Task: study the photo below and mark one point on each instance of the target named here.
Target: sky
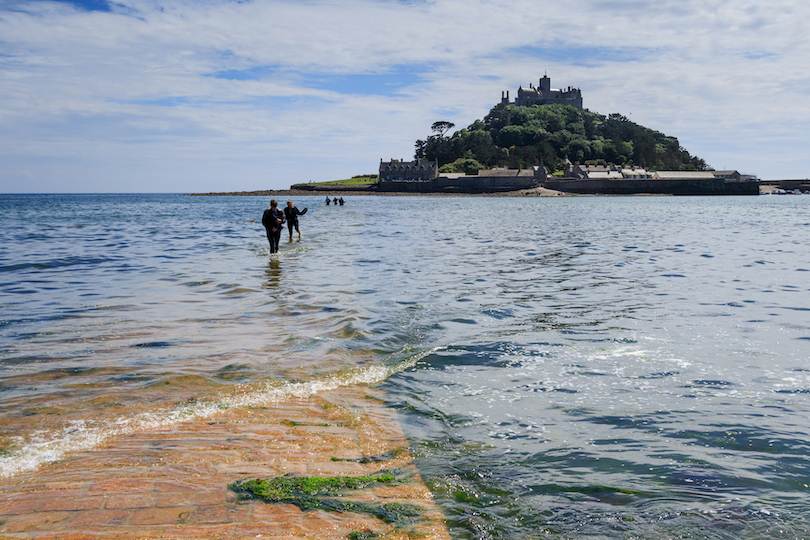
(214, 95)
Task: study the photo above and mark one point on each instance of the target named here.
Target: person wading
(273, 219)
(292, 213)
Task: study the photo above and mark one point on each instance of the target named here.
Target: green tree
(521, 136)
(442, 127)
(463, 165)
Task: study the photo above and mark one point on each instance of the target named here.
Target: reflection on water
(272, 274)
(587, 367)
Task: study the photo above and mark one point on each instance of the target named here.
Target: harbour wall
(715, 186)
(462, 184)
(803, 185)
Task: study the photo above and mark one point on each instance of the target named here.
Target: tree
(520, 136)
(465, 165)
(442, 127)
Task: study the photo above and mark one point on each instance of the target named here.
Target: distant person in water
(335, 201)
(341, 201)
(292, 213)
(273, 219)
(328, 200)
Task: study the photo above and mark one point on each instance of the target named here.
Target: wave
(48, 446)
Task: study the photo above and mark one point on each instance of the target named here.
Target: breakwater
(802, 184)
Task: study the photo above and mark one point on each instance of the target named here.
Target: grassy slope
(356, 181)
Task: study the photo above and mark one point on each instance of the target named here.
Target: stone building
(615, 180)
(544, 94)
(606, 172)
(685, 175)
(408, 171)
(415, 177)
(729, 175)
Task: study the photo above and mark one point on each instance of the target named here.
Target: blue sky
(184, 96)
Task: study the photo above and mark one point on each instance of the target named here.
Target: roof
(504, 172)
(423, 163)
(636, 172)
(684, 175)
(605, 174)
(407, 165)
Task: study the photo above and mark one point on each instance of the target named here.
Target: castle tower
(545, 95)
(545, 85)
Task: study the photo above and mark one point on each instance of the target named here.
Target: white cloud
(127, 100)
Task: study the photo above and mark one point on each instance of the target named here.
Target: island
(546, 138)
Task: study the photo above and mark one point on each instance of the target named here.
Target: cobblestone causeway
(173, 483)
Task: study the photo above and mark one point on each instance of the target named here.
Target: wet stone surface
(173, 483)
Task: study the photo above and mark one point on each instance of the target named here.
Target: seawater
(588, 367)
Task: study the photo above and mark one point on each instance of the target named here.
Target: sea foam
(49, 446)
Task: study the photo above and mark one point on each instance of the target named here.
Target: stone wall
(463, 184)
(713, 186)
(484, 183)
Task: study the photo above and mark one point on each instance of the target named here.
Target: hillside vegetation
(360, 179)
(519, 137)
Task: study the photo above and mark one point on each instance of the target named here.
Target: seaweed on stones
(393, 454)
(317, 493)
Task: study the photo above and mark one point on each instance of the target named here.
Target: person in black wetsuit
(273, 219)
(292, 213)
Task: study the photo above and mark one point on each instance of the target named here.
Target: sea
(563, 367)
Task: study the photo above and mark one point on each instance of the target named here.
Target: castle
(545, 95)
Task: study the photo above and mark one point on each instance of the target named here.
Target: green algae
(362, 535)
(317, 493)
(286, 488)
(393, 454)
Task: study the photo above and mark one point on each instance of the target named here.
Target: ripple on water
(574, 383)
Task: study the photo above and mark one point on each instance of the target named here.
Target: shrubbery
(519, 137)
